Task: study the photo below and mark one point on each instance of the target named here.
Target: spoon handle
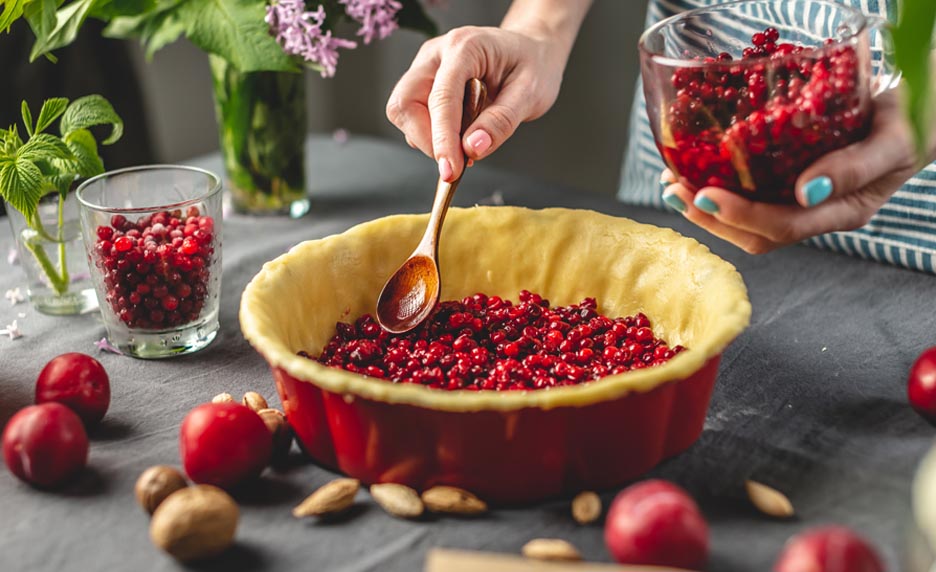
(475, 99)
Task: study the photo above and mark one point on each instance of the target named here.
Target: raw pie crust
(692, 297)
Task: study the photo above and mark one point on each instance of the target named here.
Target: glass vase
(52, 256)
(262, 126)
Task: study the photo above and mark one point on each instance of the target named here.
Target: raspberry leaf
(90, 111)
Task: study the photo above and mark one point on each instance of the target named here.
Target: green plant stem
(58, 281)
(60, 286)
(63, 268)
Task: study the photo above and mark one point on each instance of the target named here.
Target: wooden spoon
(412, 292)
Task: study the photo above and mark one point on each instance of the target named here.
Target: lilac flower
(14, 296)
(300, 34)
(377, 17)
(106, 346)
(12, 330)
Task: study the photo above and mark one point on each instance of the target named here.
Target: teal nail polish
(705, 204)
(817, 190)
(674, 201)
(663, 185)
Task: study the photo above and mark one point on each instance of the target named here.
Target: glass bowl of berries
(571, 350)
(746, 95)
(153, 239)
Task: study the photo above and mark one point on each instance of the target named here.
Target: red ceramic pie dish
(506, 447)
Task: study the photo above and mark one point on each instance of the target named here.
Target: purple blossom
(377, 17)
(300, 34)
(105, 346)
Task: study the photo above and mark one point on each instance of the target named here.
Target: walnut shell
(157, 483)
(195, 523)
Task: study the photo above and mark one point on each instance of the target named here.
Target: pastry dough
(692, 297)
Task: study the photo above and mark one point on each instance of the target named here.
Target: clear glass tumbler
(153, 239)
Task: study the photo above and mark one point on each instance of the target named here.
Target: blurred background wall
(579, 143)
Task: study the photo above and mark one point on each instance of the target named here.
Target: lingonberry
(163, 265)
(488, 343)
(753, 129)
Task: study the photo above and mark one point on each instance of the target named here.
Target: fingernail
(663, 186)
(480, 141)
(705, 204)
(817, 190)
(445, 169)
(673, 200)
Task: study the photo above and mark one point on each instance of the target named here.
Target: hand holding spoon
(412, 292)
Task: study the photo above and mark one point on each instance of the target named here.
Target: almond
(551, 549)
(768, 500)
(331, 498)
(452, 500)
(586, 507)
(281, 433)
(255, 401)
(398, 500)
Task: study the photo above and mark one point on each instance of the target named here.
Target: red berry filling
(485, 343)
(156, 269)
(753, 128)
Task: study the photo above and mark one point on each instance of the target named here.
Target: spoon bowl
(412, 292)
(402, 304)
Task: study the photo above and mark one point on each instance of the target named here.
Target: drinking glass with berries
(153, 239)
(754, 127)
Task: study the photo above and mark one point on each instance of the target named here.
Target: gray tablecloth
(811, 398)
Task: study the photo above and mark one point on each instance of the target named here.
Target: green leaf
(41, 16)
(27, 118)
(12, 11)
(89, 111)
(87, 162)
(236, 31)
(155, 30)
(44, 146)
(51, 110)
(10, 141)
(414, 17)
(62, 183)
(68, 21)
(913, 40)
(107, 10)
(21, 186)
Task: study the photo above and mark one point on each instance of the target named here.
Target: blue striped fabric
(902, 233)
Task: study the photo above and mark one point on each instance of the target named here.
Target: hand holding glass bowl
(753, 118)
(153, 238)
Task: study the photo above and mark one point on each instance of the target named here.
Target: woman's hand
(521, 62)
(841, 191)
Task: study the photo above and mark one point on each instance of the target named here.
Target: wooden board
(442, 560)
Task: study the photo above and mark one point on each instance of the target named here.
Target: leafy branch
(235, 30)
(46, 163)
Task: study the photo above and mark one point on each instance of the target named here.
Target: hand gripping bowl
(506, 447)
